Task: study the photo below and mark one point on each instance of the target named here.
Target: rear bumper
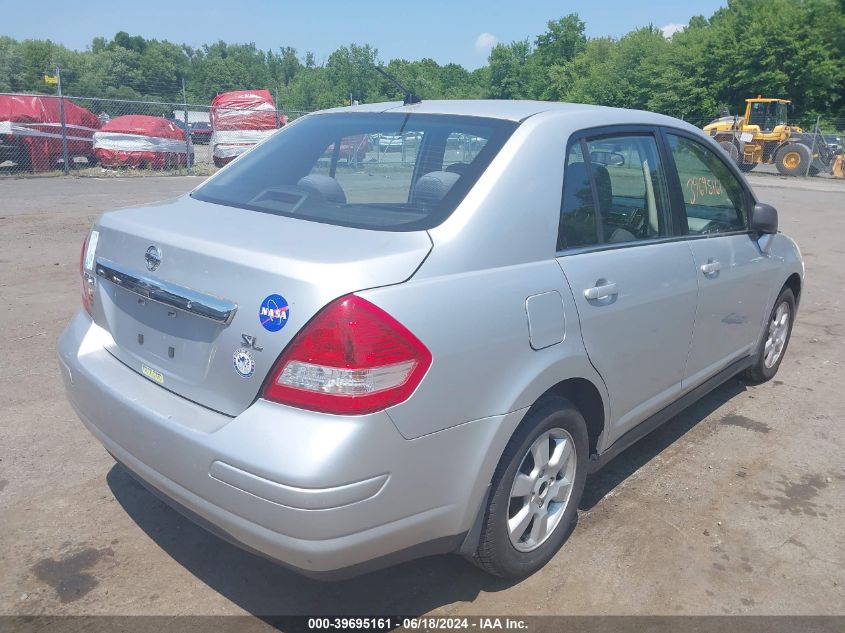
(326, 495)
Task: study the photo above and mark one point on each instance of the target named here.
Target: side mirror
(764, 219)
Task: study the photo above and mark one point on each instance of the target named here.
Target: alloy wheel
(778, 333)
(541, 489)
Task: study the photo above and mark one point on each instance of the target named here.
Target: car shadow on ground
(266, 589)
(631, 460)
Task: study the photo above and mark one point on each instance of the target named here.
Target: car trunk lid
(223, 290)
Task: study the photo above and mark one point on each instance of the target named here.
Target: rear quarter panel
(476, 327)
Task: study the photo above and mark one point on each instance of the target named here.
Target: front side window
(614, 191)
(759, 115)
(714, 199)
(382, 171)
(767, 114)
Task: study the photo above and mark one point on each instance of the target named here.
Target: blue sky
(445, 30)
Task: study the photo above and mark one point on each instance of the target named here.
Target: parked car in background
(31, 131)
(201, 132)
(395, 142)
(352, 148)
(345, 368)
(141, 141)
(239, 120)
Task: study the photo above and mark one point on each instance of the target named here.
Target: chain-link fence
(96, 136)
(88, 135)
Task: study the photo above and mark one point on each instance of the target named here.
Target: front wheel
(775, 340)
(793, 159)
(535, 492)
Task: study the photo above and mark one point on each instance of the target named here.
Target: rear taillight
(352, 358)
(86, 270)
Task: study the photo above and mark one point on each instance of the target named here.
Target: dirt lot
(735, 506)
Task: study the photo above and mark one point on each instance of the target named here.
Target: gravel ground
(735, 506)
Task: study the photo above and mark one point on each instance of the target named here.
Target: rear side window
(384, 171)
(614, 191)
(714, 199)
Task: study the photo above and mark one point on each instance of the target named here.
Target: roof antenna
(410, 97)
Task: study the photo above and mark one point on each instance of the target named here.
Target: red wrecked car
(353, 149)
(138, 140)
(31, 131)
(239, 120)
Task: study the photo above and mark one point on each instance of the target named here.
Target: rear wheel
(731, 150)
(793, 159)
(775, 340)
(536, 490)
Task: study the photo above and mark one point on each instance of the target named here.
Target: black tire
(745, 167)
(814, 171)
(792, 159)
(731, 150)
(495, 553)
(759, 372)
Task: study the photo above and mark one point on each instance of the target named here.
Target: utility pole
(813, 147)
(65, 163)
(188, 161)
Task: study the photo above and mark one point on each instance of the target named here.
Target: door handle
(602, 290)
(711, 267)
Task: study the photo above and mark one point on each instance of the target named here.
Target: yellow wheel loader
(763, 135)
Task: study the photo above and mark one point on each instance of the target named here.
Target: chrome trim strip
(595, 248)
(169, 294)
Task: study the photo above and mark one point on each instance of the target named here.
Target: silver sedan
(345, 364)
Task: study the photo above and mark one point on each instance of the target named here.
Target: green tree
(11, 66)
(350, 71)
(288, 65)
(562, 42)
(514, 71)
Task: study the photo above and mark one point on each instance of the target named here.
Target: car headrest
(325, 186)
(603, 187)
(578, 173)
(433, 187)
(458, 168)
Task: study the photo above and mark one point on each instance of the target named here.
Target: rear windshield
(384, 171)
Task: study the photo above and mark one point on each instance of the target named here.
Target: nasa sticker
(244, 362)
(273, 313)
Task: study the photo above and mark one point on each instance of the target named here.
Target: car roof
(514, 110)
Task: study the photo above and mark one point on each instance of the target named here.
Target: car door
(634, 283)
(734, 276)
